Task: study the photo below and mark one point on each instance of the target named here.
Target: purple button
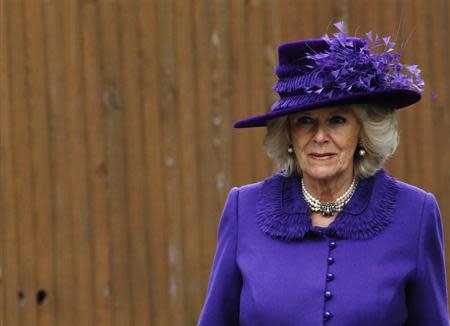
(328, 295)
(327, 315)
(330, 276)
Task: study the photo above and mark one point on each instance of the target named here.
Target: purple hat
(340, 70)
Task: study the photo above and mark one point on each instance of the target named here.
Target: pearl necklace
(328, 208)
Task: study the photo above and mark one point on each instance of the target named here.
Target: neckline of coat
(283, 213)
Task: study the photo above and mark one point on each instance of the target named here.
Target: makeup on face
(324, 140)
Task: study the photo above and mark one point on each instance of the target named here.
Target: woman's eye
(337, 120)
(304, 121)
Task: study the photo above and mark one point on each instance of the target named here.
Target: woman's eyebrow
(304, 114)
(299, 116)
(339, 111)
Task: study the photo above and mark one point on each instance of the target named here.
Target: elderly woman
(331, 238)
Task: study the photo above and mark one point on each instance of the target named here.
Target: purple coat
(379, 263)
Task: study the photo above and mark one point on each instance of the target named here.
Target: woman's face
(324, 141)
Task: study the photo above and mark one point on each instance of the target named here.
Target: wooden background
(117, 149)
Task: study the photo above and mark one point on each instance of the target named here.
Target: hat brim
(390, 98)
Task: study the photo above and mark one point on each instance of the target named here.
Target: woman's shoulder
(255, 187)
(261, 193)
(413, 201)
(410, 190)
(413, 195)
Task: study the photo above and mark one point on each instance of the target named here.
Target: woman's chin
(323, 173)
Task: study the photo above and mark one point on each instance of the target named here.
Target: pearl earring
(362, 152)
(290, 149)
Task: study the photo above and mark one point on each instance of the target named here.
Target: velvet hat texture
(338, 70)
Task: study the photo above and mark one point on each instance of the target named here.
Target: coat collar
(284, 214)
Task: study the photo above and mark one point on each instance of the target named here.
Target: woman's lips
(321, 156)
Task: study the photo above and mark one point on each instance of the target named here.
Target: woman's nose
(321, 134)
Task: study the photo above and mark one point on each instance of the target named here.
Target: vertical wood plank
(23, 191)
(202, 86)
(157, 222)
(63, 216)
(221, 102)
(239, 79)
(424, 123)
(408, 136)
(365, 18)
(97, 169)
(343, 11)
(390, 25)
(134, 162)
(438, 58)
(187, 126)
(392, 22)
(169, 102)
(10, 267)
(255, 89)
(323, 19)
(4, 99)
(400, 164)
(77, 166)
(272, 35)
(39, 147)
(3, 169)
(438, 20)
(115, 150)
(292, 28)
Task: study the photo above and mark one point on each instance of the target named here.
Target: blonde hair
(379, 137)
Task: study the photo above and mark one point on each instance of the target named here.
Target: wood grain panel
(156, 219)
(3, 168)
(424, 115)
(65, 293)
(77, 167)
(439, 104)
(187, 126)
(202, 87)
(170, 107)
(118, 199)
(134, 162)
(390, 25)
(409, 135)
(22, 176)
(10, 258)
(242, 163)
(36, 58)
(439, 84)
(97, 191)
(272, 35)
(255, 88)
(117, 150)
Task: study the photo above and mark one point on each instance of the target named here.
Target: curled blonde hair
(379, 137)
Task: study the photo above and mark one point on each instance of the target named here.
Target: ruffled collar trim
(284, 214)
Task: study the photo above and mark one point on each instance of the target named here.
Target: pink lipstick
(321, 156)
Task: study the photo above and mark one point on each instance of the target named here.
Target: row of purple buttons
(330, 276)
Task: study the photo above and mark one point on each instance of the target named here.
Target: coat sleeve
(221, 305)
(427, 292)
